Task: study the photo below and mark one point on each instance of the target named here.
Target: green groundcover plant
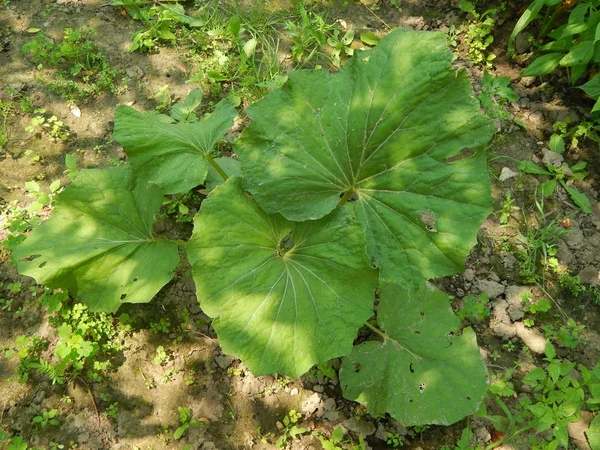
(351, 191)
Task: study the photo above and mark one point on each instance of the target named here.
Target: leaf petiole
(387, 337)
(216, 166)
(346, 197)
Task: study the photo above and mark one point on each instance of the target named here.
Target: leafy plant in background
(160, 21)
(186, 421)
(338, 197)
(495, 94)
(46, 418)
(559, 398)
(537, 244)
(309, 33)
(478, 36)
(337, 442)
(567, 335)
(84, 348)
(6, 109)
(475, 308)
(290, 429)
(560, 392)
(341, 45)
(83, 68)
(41, 124)
(571, 44)
(41, 198)
(562, 174)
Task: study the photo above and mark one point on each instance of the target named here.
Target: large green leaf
(98, 243)
(284, 295)
(422, 373)
(395, 129)
(171, 155)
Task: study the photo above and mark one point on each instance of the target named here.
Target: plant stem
(377, 330)
(386, 337)
(346, 197)
(213, 163)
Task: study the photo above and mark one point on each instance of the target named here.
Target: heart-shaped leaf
(98, 243)
(284, 295)
(394, 131)
(171, 155)
(422, 373)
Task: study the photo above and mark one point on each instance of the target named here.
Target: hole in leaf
(30, 258)
(418, 332)
(43, 264)
(122, 297)
(373, 266)
(422, 314)
(135, 279)
(410, 367)
(352, 196)
(286, 244)
(468, 398)
(465, 153)
(410, 400)
(422, 387)
(356, 368)
(428, 218)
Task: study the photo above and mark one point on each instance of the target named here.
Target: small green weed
(186, 421)
(41, 124)
(83, 70)
(536, 247)
(161, 357)
(395, 440)
(567, 335)
(160, 23)
(289, 429)
(474, 308)
(41, 199)
(6, 110)
(341, 46)
(573, 133)
(162, 326)
(559, 397)
(46, 418)
(478, 35)
(507, 208)
(337, 442)
(533, 306)
(563, 175)
(18, 443)
(495, 95)
(17, 221)
(309, 32)
(112, 410)
(86, 341)
(465, 442)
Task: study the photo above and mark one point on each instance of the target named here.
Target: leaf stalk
(346, 197)
(216, 166)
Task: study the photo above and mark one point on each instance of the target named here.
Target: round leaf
(284, 295)
(395, 128)
(422, 373)
(98, 243)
